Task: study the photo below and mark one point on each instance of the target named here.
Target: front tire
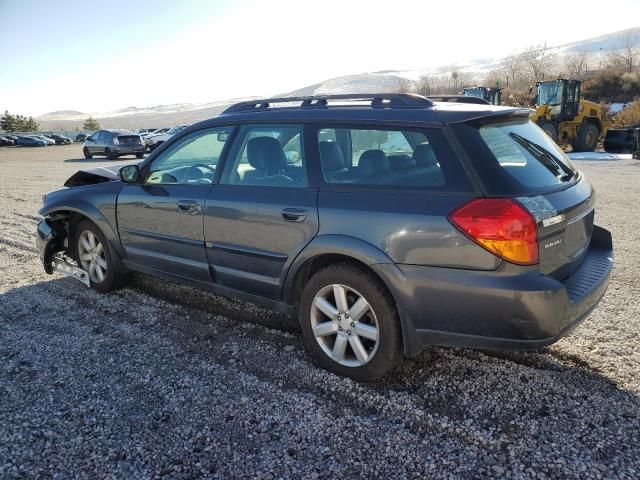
(86, 153)
(588, 135)
(350, 323)
(93, 256)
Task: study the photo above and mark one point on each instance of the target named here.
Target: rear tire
(94, 256)
(550, 129)
(587, 140)
(139, 155)
(350, 323)
(86, 153)
(110, 154)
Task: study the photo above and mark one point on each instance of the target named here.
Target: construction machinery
(493, 95)
(568, 118)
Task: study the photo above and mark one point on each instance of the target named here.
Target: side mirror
(129, 173)
(89, 139)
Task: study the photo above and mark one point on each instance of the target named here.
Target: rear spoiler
(496, 114)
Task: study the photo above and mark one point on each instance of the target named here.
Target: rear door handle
(294, 214)
(189, 206)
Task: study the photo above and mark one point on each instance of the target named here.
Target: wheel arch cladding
(326, 250)
(81, 210)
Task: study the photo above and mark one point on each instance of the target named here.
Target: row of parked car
(35, 140)
(105, 142)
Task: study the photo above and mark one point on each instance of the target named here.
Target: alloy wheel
(92, 256)
(345, 325)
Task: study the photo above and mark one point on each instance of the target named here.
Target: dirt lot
(135, 384)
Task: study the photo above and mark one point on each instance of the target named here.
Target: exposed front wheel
(350, 323)
(94, 257)
(588, 135)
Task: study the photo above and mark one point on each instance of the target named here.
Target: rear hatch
(514, 158)
(130, 140)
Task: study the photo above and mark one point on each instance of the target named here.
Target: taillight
(116, 141)
(500, 225)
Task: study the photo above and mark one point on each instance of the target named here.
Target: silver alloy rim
(92, 256)
(345, 325)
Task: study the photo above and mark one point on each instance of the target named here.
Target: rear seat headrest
(331, 156)
(424, 156)
(372, 162)
(401, 162)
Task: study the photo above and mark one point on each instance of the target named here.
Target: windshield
(550, 93)
(516, 157)
(474, 92)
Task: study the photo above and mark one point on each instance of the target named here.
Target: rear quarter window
(515, 157)
(389, 158)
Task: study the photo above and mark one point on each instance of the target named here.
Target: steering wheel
(194, 169)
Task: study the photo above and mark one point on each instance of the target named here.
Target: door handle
(294, 214)
(189, 206)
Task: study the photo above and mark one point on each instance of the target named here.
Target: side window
(191, 160)
(268, 156)
(379, 157)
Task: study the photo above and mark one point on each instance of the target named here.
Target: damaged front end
(52, 242)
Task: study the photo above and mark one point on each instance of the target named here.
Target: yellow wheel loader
(568, 118)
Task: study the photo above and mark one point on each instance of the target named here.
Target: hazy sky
(96, 56)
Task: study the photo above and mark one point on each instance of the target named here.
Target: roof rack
(377, 100)
(458, 99)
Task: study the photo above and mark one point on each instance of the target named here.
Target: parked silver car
(114, 144)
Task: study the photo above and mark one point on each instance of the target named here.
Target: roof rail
(378, 100)
(458, 99)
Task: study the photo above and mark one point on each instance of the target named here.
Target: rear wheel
(86, 153)
(94, 256)
(550, 129)
(350, 323)
(110, 154)
(587, 140)
(139, 155)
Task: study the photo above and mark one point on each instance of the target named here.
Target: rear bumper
(128, 149)
(499, 309)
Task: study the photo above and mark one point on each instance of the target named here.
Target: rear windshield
(515, 157)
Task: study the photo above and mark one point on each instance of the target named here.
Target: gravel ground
(159, 380)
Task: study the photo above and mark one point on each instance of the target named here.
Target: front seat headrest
(266, 153)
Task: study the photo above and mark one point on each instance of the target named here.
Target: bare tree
(425, 84)
(454, 77)
(575, 63)
(537, 60)
(404, 85)
(513, 67)
(625, 58)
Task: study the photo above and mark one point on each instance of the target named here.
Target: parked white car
(153, 141)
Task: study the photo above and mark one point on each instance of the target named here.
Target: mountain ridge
(366, 82)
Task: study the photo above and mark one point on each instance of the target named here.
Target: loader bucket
(621, 140)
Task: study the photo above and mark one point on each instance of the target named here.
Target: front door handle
(294, 214)
(189, 206)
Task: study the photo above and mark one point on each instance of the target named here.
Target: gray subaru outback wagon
(386, 223)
